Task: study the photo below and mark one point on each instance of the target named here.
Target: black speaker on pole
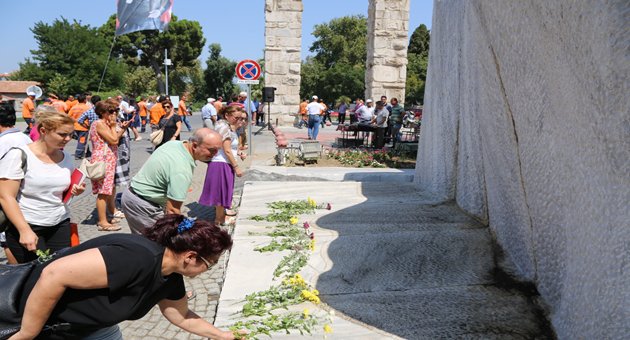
(268, 94)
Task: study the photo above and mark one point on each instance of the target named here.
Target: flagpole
(106, 63)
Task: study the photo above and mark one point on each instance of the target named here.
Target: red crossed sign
(248, 70)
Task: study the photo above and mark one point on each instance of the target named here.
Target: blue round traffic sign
(248, 70)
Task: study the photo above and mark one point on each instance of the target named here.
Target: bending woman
(119, 277)
(33, 200)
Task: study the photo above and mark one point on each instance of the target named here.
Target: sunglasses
(114, 110)
(207, 263)
(167, 106)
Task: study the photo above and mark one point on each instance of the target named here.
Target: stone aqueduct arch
(386, 64)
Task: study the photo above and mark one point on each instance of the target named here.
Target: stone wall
(386, 65)
(526, 126)
(283, 43)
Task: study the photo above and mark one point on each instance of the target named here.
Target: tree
(188, 79)
(338, 66)
(140, 81)
(418, 62)
(183, 39)
(219, 73)
(73, 51)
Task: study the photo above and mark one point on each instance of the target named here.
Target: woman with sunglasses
(113, 278)
(105, 134)
(32, 196)
(171, 123)
(219, 184)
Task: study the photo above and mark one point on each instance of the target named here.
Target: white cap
(211, 100)
(368, 101)
(315, 97)
(243, 94)
(30, 94)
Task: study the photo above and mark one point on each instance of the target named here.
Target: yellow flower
(293, 220)
(305, 313)
(312, 202)
(311, 246)
(327, 328)
(315, 292)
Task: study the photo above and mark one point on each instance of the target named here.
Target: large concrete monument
(526, 127)
(283, 44)
(386, 65)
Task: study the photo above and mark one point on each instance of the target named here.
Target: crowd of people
(35, 174)
(384, 118)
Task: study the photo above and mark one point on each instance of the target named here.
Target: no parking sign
(248, 71)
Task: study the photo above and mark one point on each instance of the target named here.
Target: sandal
(111, 227)
(229, 221)
(118, 214)
(230, 212)
(114, 220)
(190, 295)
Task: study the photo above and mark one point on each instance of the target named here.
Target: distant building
(15, 90)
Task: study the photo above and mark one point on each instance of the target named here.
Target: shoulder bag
(4, 221)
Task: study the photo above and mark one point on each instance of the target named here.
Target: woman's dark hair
(7, 114)
(204, 237)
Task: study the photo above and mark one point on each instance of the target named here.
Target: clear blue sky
(239, 26)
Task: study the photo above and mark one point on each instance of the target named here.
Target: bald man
(161, 185)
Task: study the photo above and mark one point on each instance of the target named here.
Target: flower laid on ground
(328, 206)
(327, 328)
(265, 305)
(311, 295)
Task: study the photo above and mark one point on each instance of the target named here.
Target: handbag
(93, 170)
(4, 221)
(156, 137)
(12, 280)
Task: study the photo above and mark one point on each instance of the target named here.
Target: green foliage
(187, 79)
(338, 66)
(59, 84)
(140, 81)
(274, 323)
(73, 51)
(183, 39)
(418, 63)
(219, 73)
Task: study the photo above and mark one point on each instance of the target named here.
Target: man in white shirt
(314, 111)
(9, 135)
(209, 114)
(370, 105)
(362, 113)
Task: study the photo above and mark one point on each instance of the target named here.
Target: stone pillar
(386, 72)
(283, 44)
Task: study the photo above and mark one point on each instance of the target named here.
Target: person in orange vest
(59, 105)
(183, 112)
(70, 102)
(28, 108)
(156, 112)
(80, 130)
(142, 105)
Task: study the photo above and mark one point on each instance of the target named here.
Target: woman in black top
(118, 277)
(171, 123)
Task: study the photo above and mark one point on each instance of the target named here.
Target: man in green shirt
(163, 181)
(395, 120)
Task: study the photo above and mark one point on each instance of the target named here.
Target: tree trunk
(158, 75)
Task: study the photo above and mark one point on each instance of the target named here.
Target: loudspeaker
(268, 94)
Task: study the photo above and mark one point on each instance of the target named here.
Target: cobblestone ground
(207, 286)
